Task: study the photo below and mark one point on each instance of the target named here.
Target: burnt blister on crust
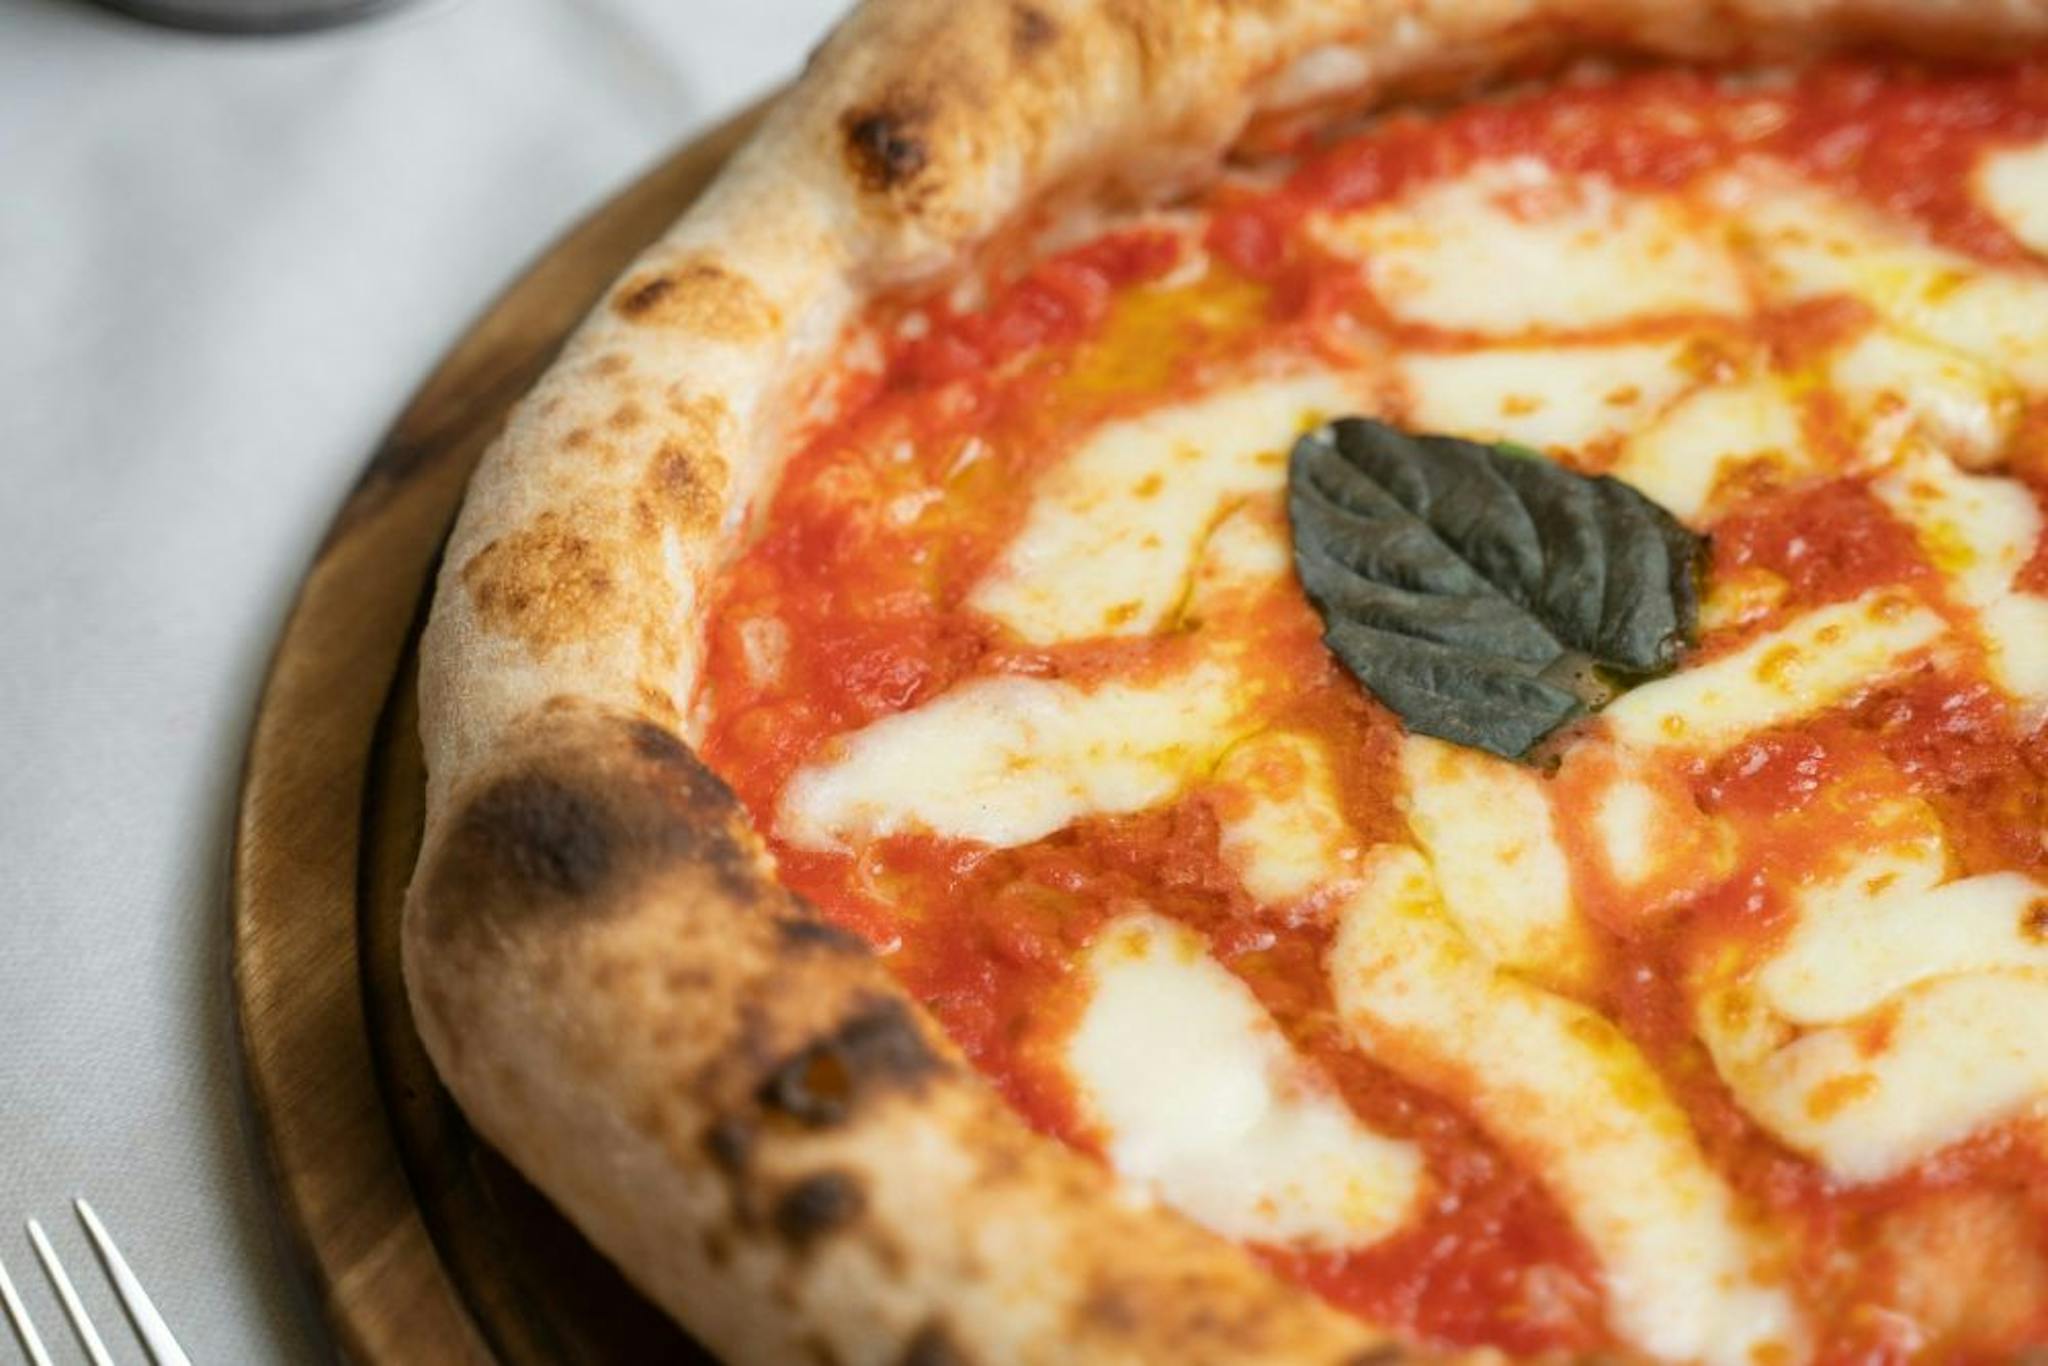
(805, 932)
(2034, 921)
(1031, 30)
(730, 1142)
(818, 1205)
(544, 833)
(614, 800)
(700, 295)
(885, 145)
(878, 1047)
(659, 745)
(934, 1346)
(639, 300)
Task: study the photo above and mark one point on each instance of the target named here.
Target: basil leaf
(1486, 597)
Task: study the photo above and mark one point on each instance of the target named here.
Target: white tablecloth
(223, 265)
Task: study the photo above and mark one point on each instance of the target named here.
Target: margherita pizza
(1313, 681)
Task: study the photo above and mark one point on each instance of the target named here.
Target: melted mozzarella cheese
(2012, 183)
(1643, 847)
(1116, 527)
(1551, 1080)
(1242, 559)
(1502, 875)
(1559, 1086)
(1899, 1014)
(1808, 664)
(1513, 245)
(1624, 820)
(1203, 1101)
(1850, 952)
(1901, 388)
(1810, 244)
(1005, 761)
(1713, 432)
(1660, 849)
(1980, 531)
(1549, 397)
(1962, 1052)
(1279, 827)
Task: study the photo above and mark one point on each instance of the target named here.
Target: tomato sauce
(850, 607)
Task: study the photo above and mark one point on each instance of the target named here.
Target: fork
(149, 1325)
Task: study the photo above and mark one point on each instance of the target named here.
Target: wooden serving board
(424, 1245)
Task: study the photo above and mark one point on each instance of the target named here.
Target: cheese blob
(1552, 397)
(1904, 389)
(1278, 825)
(1715, 433)
(1980, 531)
(1200, 1099)
(1513, 246)
(1565, 1091)
(1116, 528)
(1004, 761)
(1804, 666)
(2012, 183)
(1902, 1012)
(1436, 985)
(1505, 873)
(1808, 244)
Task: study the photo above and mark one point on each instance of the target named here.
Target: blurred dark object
(251, 16)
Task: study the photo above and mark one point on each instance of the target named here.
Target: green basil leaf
(1486, 597)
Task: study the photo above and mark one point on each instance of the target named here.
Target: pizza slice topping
(1722, 1039)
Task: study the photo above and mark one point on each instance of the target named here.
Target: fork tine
(74, 1309)
(17, 1314)
(149, 1325)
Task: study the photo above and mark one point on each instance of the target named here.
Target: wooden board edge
(296, 985)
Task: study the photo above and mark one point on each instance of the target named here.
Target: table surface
(223, 265)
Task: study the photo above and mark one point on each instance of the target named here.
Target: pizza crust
(734, 1101)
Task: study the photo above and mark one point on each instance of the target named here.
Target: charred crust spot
(882, 1042)
(689, 483)
(1108, 1308)
(626, 416)
(730, 1143)
(814, 1088)
(817, 1205)
(934, 1346)
(545, 834)
(603, 807)
(699, 295)
(877, 1046)
(637, 301)
(885, 146)
(804, 932)
(2034, 921)
(657, 744)
(1031, 29)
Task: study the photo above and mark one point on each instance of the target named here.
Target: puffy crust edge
(741, 1107)
(602, 965)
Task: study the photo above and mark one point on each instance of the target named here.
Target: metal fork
(149, 1325)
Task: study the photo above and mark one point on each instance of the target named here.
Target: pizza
(1307, 681)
